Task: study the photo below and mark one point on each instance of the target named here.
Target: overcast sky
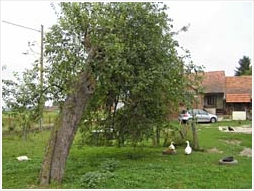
(220, 33)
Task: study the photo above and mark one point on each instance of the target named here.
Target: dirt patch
(246, 152)
(233, 142)
(214, 150)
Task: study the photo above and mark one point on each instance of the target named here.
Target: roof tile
(242, 98)
(214, 82)
(238, 85)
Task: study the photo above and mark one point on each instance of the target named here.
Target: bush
(93, 179)
(109, 165)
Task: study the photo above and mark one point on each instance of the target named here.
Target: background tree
(22, 96)
(115, 51)
(245, 67)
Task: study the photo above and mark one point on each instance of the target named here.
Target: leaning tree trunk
(195, 136)
(65, 129)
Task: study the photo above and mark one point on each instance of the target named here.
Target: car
(200, 115)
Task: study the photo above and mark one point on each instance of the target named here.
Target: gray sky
(220, 33)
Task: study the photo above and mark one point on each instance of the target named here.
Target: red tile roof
(239, 85)
(240, 98)
(214, 82)
(238, 89)
(235, 88)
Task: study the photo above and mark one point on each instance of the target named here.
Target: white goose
(188, 149)
(171, 146)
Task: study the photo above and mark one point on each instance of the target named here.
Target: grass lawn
(142, 167)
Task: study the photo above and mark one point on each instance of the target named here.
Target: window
(201, 112)
(211, 100)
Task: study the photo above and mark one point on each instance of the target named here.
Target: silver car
(199, 114)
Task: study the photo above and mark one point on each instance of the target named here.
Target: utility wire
(21, 26)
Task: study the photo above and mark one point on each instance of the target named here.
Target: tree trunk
(62, 135)
(157, 136)
(195, 136)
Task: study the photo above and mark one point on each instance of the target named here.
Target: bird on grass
(188, 149)
(170, 150)
(171, 146)
(230, 128)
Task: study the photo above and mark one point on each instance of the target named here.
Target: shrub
(109, 165)
(91, 179)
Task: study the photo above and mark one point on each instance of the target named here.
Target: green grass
(17, 174)
(142, 167)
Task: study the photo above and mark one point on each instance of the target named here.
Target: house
(224, 94)
(213, 85)
(238, 93)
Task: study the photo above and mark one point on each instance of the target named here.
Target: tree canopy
(133, 60)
